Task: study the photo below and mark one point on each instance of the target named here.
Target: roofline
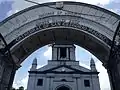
(55, 72)
(53, 3)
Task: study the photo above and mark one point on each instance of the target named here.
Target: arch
(91, 22)
(56, 35)
(63, 87)
(88, 26)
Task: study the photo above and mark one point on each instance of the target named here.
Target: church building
(63, 72)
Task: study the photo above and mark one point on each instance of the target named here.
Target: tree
(21, 88)
(12, 89)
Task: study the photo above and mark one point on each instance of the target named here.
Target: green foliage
(21, 88)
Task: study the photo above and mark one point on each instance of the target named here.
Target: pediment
(63, 68)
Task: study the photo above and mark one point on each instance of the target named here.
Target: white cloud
(103, 76)
(48, 53)
(22, 82)
(95, 2)
(115, 10)
(11, 12)
(18, 81)
(22, 4)
(19, 5)
(104, 81)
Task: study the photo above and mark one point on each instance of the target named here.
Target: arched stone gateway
(89, 26)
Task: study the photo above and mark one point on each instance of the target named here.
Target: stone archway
(89, 26)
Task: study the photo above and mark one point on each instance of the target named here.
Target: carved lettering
(46, 23)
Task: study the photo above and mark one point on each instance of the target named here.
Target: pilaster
(114, 67)
(7, 74)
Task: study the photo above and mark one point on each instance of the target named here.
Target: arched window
(63, 88)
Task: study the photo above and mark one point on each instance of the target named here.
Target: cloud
(86, 56)
(16, 6)
(48, 53)
(21, 79)
(113, 6)
(11, 12)
(95, 2)
(19, 5)
(24, 81)
(82, 55)
(5, 7)
(21, 82)
(103, 76)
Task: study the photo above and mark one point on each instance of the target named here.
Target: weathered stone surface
(88, 26)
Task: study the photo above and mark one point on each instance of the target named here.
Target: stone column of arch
(114, 61)
(7, 72)
(7, 67)
(114, 68)
(98, 19)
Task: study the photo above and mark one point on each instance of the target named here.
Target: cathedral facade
(63, 72)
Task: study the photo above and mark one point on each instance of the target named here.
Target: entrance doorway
(63, 88)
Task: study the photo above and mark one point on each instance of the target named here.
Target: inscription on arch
(63, 22)
(54, 21)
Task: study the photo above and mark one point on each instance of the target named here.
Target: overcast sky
(9, 7)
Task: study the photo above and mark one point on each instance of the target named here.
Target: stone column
(5, 75)
(6, 78)
(7, 72)
(114, 67)
(12, 75)
(114, 78)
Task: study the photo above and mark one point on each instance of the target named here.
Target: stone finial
(92, 65)
(34, 65)
(59, 5)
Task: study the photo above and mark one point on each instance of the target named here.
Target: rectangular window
(40, 82)
(63, 52)
(86, 83)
